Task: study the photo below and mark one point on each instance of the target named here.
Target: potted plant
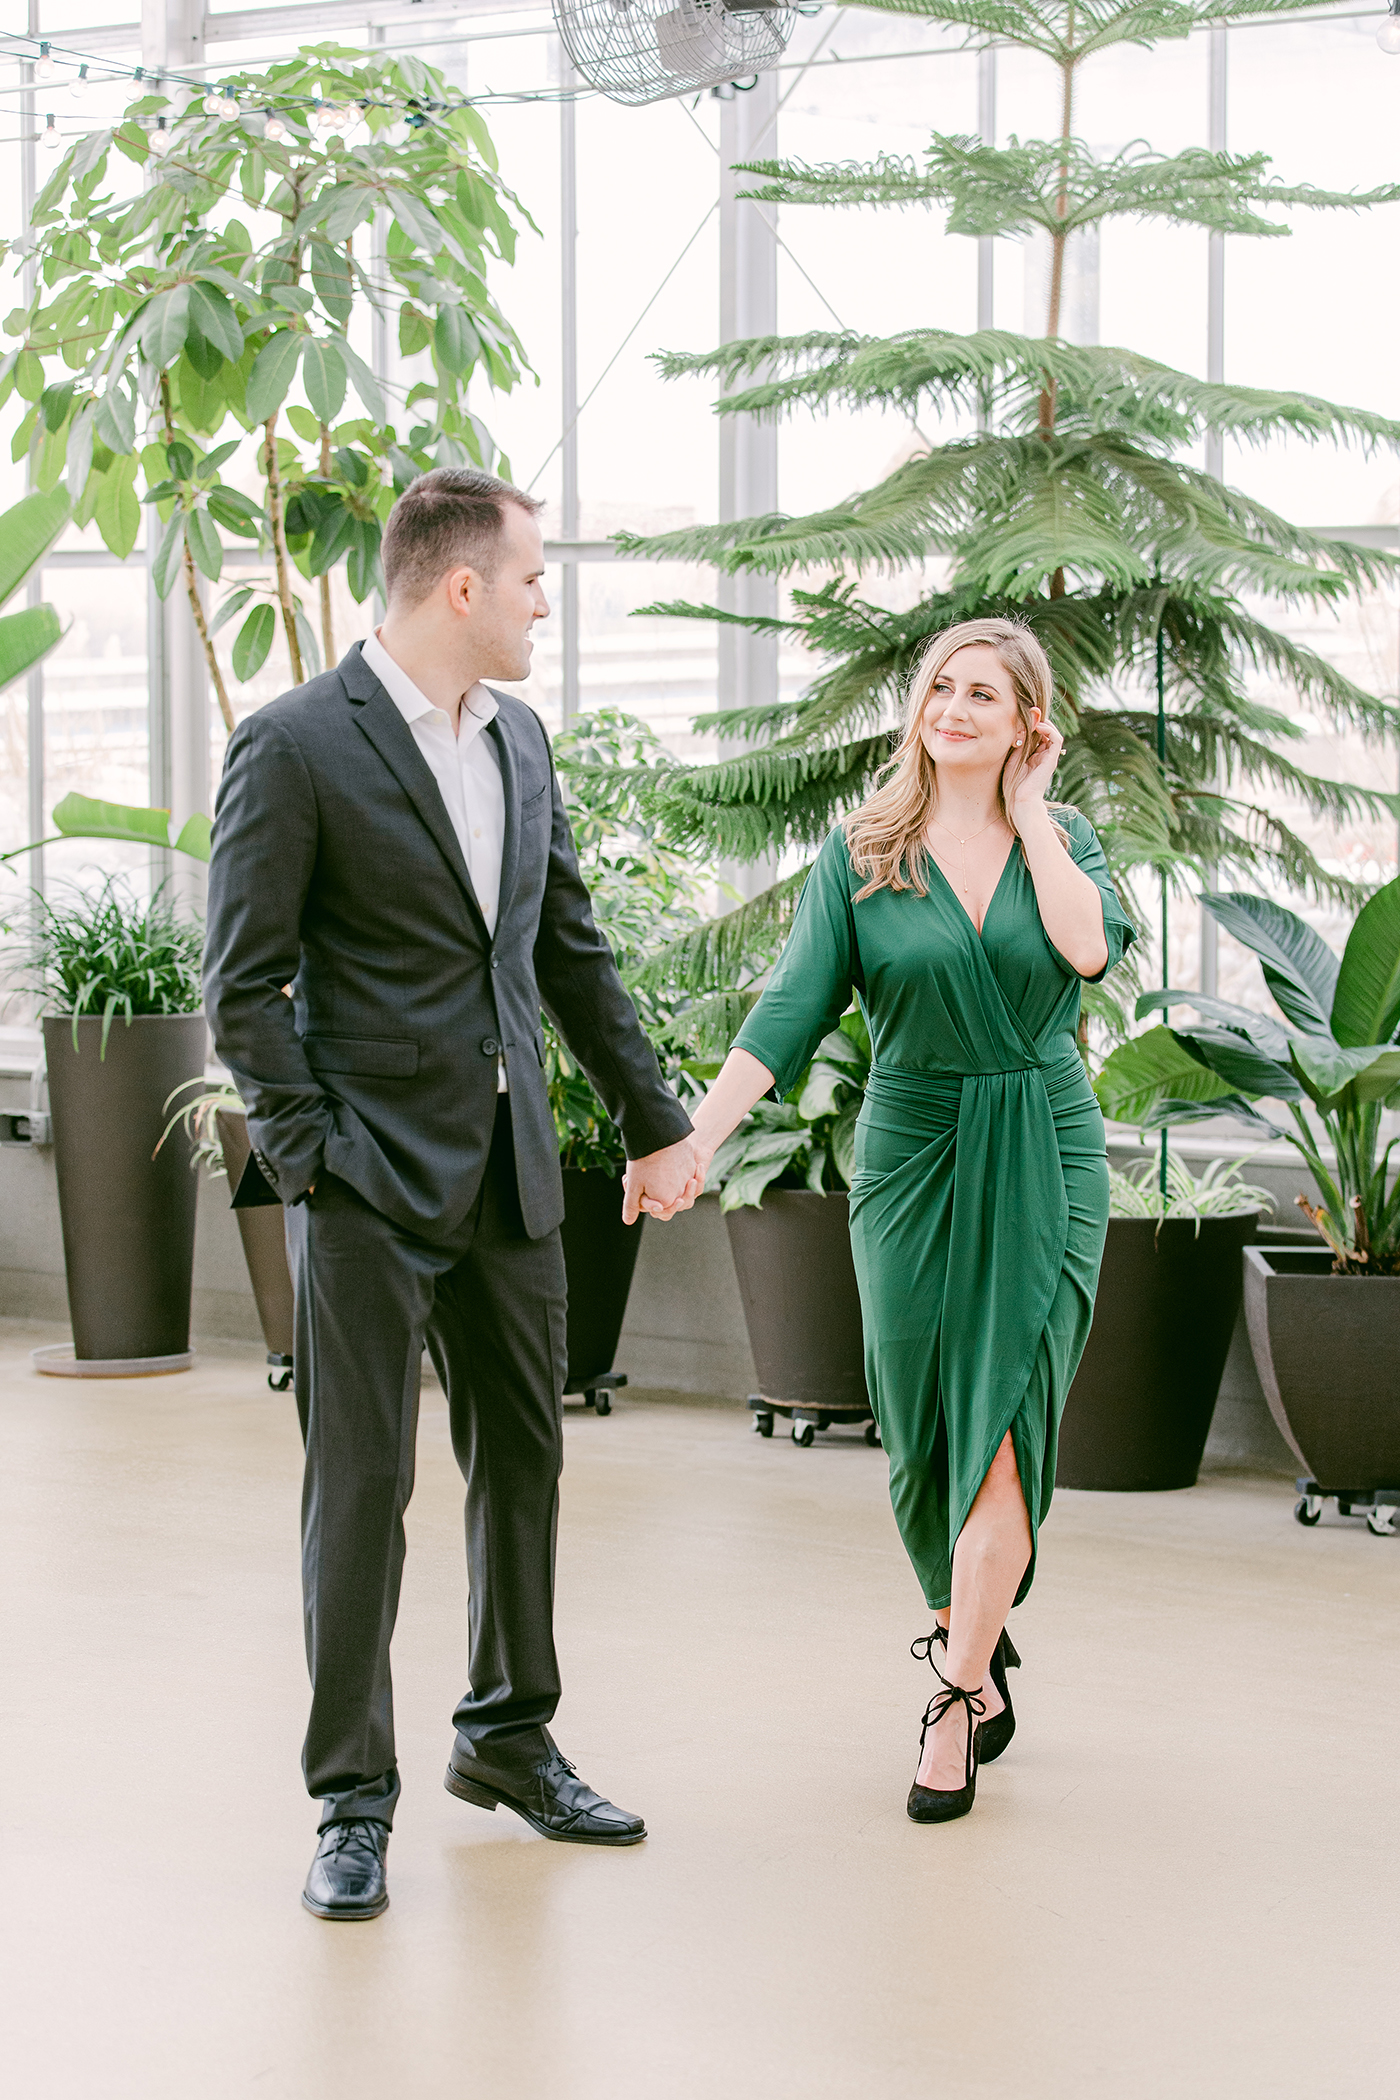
(1324, 1323)
(120, 981)
(783, 1178)
(1139, 1410)
(645, 896)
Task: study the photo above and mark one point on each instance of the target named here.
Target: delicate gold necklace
(963, 844)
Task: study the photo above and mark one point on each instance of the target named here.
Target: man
(391, 843)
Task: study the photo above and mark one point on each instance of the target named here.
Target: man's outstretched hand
(662, 1183)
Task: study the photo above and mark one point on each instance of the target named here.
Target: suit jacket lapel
(377, 716)
(510, 782)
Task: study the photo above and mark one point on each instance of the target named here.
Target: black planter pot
(264, 1237)
(600, 1255)
(128, 1217)
(792, 1256)
(1327, 1349)
(1139, 1410)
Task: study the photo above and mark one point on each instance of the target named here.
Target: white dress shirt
(467, 770)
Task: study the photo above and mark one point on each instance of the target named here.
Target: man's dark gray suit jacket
(335, 869)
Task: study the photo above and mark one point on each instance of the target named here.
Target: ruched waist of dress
(928, 1091)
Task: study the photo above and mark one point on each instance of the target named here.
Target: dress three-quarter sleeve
(813, 978)
(1088, 854)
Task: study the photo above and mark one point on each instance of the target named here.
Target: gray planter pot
(797, 1281)
(1327, 1349)
(1139, 1410)
(127, 1211)
(264, 1236)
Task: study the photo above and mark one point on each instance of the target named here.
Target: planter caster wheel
(803, 1433)
(602, 1402)
(1307, 1509)
(763, 1424)
(280, 1376)
(872, 1434)
(1381, 1523)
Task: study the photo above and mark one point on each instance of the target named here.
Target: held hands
(663, 1182)
(1026, 776)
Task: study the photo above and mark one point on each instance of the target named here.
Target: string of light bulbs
(415, 112)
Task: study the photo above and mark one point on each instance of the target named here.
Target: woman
(963, 911)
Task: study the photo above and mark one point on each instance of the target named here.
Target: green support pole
(1162, 763)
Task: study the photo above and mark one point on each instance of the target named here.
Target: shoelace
(943, 1703)
(355, 1832)
(922, 1649)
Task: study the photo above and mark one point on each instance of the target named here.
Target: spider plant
(1220, 1192)
(112, 953)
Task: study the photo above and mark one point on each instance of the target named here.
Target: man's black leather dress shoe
(347, 1874)
(549, 1796)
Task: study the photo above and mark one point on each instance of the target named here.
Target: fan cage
(639, 51)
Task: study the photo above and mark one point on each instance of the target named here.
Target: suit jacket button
(490, 1047)
(495, 962)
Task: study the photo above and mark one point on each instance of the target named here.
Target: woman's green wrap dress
(980, 1200)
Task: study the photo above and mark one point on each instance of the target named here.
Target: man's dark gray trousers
(335, 870)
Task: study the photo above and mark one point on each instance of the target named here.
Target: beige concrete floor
(1181, 1878)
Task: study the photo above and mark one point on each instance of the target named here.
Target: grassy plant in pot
(1324, 1323)
(783, 1178)
(1140, 1408)
(644, 897)
(120, 982)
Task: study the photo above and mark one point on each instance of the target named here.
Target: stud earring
(1018, 743)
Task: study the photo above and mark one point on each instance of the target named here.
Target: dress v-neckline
(977, 930)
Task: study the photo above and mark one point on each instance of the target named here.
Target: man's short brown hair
(450, 519)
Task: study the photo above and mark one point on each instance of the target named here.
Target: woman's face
(971, 721)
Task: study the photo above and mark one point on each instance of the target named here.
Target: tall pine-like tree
(1069, 499)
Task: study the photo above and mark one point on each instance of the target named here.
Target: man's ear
(462, 587)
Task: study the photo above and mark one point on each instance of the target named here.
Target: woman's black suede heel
(929, 1804)
(997, 1732)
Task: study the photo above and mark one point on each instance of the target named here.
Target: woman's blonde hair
(887, 836)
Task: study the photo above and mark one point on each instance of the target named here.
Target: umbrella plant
(173, 318)
(1332, 1061)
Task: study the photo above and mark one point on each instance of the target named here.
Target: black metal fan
(644, 50)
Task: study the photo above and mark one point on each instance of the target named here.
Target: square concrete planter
(1327, 1349)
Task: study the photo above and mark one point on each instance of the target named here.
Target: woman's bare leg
(989, 1560)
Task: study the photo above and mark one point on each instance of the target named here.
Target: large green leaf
(81, 817)
(27, 531)
(196, 836)
(1261, 1029)
(26, 639)
(164, 326)
(1239, 1064)
(205, 545)
(1299, 967)
(216, 321)
(169, 555)
(323, 375)
(364, 383)
(254, 641)
(1150, 1068)
(274, 369)
(117, 510)
(1170, 1111)
(1372, 1070)
(1366, 1004)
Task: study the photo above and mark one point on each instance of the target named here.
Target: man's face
(501, 613)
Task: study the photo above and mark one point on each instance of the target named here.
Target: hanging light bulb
(274, 128)
(79, 84)
(1388, 35)
(160, 140)
(228, 103)
(45, 69)
(213, 103)
(51, 138)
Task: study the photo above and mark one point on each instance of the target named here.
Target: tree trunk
(192, 581)
(327, 631)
